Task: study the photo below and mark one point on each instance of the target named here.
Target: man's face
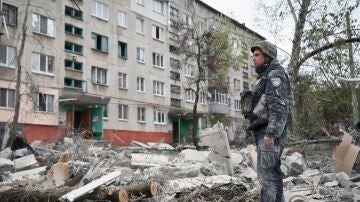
(258, 58)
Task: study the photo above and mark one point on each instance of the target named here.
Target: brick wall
(124, 137)
(44, 133)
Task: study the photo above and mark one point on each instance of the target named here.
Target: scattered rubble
(83, 170)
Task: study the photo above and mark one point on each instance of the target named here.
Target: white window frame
(158, 7)
(140, 25)
(9, 62)
(36, 25)
(158, 60)
(123, 114)
(189, 95)
(187, 20)
(36, 60)
(159, 88)
(94, 75)
(122, 19)
(159, 116)
(202, 97)
(141, 114)
(221, 98)
(237, 105)
(189, 70)
(237, 84)
(140, 55)
(123, 80)
(140, 87)
(158, 33)
(9, 104)
(100, 10)
(47, 103)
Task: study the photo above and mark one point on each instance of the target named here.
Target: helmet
(265, 47)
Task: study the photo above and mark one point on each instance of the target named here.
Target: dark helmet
(265, 47)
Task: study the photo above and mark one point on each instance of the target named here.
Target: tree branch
(292, 10)
(326, 47)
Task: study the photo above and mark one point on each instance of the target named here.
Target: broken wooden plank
(71, 196)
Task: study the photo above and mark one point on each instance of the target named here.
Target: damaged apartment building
(110, 67)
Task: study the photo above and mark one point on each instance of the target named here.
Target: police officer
(268, 118)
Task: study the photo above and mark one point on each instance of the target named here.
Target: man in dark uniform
(270, 106)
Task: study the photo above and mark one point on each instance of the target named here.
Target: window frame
(141, 114)
(38, 68)
(140, 23)
(140, 84)
(96, 13)
(162, 119)
(125, 15)
(158, 60)
(9, 104)
(73, 47)
(124, 114)
(237, 105)
(7, 57)
(189, 95)
(73, 84)
(189, 72)
(94, 77)
(7, 11)
(95, 37)
(34, 25)
(123, 81)
(120, 44)
(140, 50)
(73, 13)
(158, 33)
(73, 28)
(158, 7)
(159, 88)
(47, 110)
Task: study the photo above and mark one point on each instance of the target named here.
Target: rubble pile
(77, 170)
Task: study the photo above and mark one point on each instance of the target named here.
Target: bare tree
(205, 41)
(317, 29)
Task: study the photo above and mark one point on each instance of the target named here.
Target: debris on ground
(77, 169)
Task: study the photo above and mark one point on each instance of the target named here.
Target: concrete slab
(148, 160)
(7, 153)
(191, 155)
(27, 174)
(139, 144)
(25, 162)
(161, 146)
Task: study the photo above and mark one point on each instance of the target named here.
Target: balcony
(219, 108)
(175, 89)
(176, 103)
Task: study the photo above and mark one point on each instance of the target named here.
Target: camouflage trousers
(269, 172)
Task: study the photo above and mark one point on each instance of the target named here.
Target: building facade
(109, 68)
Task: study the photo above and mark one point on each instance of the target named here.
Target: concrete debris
(191, 155)
(75, 169)
(28, 174)
(160, 146)
(294, 163)
(25, 162)
(21, 152)
(148, 160)
(217, 140)
(180, 185)
(331, 184)
(6, 165)
(7, 153)
(139, 144)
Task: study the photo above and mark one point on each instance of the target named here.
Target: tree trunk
(297, 100)
(18, 79)
(354, 101)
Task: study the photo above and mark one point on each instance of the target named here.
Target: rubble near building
(77, 170)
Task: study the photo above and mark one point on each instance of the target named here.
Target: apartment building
(109, 67)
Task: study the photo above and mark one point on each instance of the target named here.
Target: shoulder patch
(276, 81)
